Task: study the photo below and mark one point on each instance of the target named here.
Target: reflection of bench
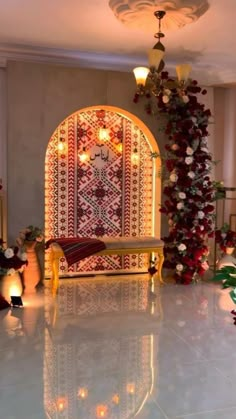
(117, 246)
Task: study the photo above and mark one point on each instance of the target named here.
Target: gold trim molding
(138, 14)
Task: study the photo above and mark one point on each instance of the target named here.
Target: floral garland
(188, 187)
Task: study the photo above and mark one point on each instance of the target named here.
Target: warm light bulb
(130, 388)
(103, 133)
(61, 404)
(119, 147)
(135, 156)
(82, 393)
(61, 146)
(101, 411)
(116, 399)
(83, 156)
(141, 74)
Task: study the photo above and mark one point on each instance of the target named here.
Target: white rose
(191, 175)
(199, 193)
(179, 267)
(8, 253)
(201, 214)
(165, 99)
(182, 195)
(188, 160)
(185, 99)
(167, 92)
(205, 265)
(204, 149)
(23, 256)
(11, 271)
(173, 177)
(201, 228)
(180, 205)
(189, 151)
(181, 247)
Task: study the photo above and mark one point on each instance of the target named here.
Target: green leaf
(233, 296)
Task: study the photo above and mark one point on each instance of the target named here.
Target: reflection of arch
(105, 355)
(110, 194)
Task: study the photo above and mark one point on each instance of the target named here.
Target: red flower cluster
(225, 237)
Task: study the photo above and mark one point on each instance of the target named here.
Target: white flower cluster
(182, 195)
(188, 160)
(179, 267)
(166, 96)
(181, 247)
(173, 177)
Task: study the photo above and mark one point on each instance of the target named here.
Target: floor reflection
(99, 347)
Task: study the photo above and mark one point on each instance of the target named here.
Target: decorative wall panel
(99, 188)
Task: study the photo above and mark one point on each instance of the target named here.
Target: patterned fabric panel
(107, 194)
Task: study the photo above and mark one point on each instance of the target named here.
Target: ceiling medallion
(138, 14)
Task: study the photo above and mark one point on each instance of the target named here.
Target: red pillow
(3, 303)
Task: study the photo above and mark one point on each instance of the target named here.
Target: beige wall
(40, 96)
(225, 147)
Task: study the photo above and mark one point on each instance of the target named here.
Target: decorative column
(3, 155)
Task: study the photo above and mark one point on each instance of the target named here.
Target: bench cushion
(132, 242)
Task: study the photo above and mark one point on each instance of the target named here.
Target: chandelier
(149, 80)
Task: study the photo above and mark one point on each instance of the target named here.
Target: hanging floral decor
(187, 185)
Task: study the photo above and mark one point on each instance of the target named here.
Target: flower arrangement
(12, 259)
(225, 237)
(30, 234)
(187, 184)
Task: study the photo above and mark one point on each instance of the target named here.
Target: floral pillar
(186, 179)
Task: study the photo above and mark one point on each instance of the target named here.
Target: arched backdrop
(114, 192)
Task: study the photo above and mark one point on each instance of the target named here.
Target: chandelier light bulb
(183, 71)
(154, 57)
(141, 74)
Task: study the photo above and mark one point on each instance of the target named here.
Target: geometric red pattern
(110, 194)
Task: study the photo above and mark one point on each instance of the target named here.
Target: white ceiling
(86, 33)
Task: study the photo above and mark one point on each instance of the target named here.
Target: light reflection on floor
(107, 347)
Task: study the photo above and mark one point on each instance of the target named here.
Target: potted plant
(28, 240)
(226, 239)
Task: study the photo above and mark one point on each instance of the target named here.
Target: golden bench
(117, 246)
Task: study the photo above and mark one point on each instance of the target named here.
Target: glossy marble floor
(106, 348)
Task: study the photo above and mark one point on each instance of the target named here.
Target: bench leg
(157, 265)
(55, 271)
(160, 264)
